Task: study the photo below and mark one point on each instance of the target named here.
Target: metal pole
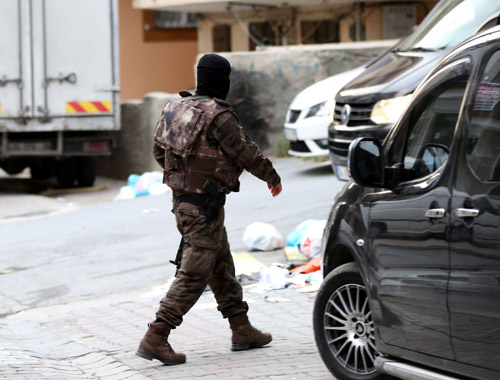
(358, 21)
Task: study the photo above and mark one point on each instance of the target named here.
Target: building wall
(344, 13)
(148, 66)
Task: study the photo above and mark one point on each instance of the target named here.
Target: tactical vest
(190, 158)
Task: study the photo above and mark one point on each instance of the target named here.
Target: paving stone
(103, 335)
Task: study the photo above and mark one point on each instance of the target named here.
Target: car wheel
(343, 325)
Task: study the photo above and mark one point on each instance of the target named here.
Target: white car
(310, 114)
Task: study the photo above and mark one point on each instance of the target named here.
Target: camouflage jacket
(199, 138)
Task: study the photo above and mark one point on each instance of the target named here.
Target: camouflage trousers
(206, 259)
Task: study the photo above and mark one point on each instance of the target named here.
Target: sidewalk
(96, 339)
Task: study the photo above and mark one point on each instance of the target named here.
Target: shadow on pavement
(323, 168)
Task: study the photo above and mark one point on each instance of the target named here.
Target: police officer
(203, 150)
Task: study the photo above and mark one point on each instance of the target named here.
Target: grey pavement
(96, 339)
(80, 281)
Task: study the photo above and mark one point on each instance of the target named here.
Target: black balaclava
(212, 76)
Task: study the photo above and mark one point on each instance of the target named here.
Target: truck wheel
(41, 171)
(66, 173)
(12, 167)
(86, 171)
(343, 326)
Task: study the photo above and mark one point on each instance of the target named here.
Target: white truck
(59, 87)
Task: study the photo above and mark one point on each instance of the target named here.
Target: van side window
(432, 128)
(483, 140)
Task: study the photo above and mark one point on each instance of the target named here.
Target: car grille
(293, 115)
(299, 146)
(360, 114)
(339, 147)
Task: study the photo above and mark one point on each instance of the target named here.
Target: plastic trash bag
(294, 238)
(262, 237)
(307, 237)
(149, 183)
(310, 244)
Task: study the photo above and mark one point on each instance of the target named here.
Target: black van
(411, 249)
(371, 103)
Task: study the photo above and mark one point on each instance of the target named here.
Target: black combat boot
(155, 345)
(246, 336)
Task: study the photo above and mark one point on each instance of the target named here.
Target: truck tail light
(96, 146)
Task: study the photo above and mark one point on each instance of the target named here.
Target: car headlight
(388, 111)
(320, 109)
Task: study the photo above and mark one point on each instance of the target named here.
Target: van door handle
(467, 212)
(435, 213)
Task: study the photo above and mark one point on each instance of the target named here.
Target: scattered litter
(149, 183)
(262, 237)
(307, 237)
(314, 281)
(6, 271)
(276, 299)
(312, 265)
(275, 277)
(150, 210)
(293, 255)
(246, 264)
(245, 279)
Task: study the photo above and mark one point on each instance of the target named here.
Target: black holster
(210, 203)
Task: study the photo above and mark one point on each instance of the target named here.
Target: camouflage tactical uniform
(194, 146)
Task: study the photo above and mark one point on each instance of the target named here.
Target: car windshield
(451, 22)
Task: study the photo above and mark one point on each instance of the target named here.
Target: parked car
(411, 253)
(310, 114)
(369, 105)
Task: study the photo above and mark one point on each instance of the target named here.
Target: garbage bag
(295, 237)
(262, 237)
(310, 244)
(149, 183)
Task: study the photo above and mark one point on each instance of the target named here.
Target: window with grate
(221, 35)
(169, 26)
(320, 32)
(170, 20)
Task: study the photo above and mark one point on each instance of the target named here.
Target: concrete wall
(264, 83)
(133, 153)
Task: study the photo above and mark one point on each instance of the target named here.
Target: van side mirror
(366, 162)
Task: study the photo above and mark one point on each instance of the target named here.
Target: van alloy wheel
(349, 330)
(343, 327)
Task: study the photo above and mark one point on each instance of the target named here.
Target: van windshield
(449, 23)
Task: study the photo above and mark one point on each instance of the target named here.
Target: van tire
(349, 356)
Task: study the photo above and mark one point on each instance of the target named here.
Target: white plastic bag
(310, 244)
(262, 237)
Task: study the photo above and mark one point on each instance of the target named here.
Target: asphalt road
(67, 247)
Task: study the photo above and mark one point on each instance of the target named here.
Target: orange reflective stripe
(88, 107)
